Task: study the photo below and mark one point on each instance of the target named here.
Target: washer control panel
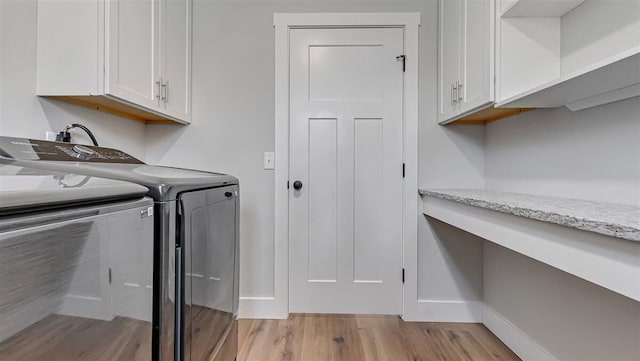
(33, 149)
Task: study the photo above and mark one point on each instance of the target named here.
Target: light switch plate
(269, 160)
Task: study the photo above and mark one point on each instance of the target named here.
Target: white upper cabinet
(127, 57)
(466, 65)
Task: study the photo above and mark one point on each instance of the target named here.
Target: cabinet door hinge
(404, 62)
(287, 184)
(109, 275)
(403, 170)
(403, 276)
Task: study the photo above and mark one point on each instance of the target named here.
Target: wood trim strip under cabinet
(109, 105)
(488, 115)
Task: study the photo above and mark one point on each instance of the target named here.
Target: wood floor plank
(253, 346)
(383, 339)
(331, 339)
(287, 342)
(490, 342)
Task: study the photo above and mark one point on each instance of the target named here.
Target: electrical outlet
(48, 135)
(269, 160)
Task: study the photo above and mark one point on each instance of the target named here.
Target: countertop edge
(589, 225)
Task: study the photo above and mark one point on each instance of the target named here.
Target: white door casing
(346, 147)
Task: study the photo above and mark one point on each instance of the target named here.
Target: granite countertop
(611, 219)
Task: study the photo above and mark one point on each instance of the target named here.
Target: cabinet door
(176, 58)
(132, 51)
(448, 57)
(476, 55)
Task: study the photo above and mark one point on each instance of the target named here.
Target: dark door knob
(297, 185)
(228, 194)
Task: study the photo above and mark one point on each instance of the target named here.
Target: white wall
(22, 114)
(233, 124)
(592, 154)
(569, 317)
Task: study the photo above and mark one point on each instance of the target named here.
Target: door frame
(283, 23)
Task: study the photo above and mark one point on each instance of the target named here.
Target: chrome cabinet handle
(163, 93)
(459, 91)
(451, 95)
(158, 82)
(454, 92)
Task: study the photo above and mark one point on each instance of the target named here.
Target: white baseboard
(519, 342)
(445, 311)
(261, 308)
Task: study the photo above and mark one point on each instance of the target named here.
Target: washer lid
(24, 189)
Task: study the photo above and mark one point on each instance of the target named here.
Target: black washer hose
(65, 136)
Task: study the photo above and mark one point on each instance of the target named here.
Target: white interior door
(346, 122)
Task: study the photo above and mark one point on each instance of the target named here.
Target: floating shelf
(612, 79)
(540, 8)
(598, 242)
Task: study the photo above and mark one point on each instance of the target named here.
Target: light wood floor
(66, 338)
(366, 338)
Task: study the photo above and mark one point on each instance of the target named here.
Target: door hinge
(403, 170)
(287, 184)
(404, 62)
(109, 275)
(403, 276)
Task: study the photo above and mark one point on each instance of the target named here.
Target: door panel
(323, 182)
(475, 69)
(176, 57)
(346, 149)
(133, 32)
(331, 66)
(368, 173)
(449, 57)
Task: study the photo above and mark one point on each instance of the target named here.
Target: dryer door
(210, 234)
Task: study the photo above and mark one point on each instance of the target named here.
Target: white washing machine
(76, 267)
